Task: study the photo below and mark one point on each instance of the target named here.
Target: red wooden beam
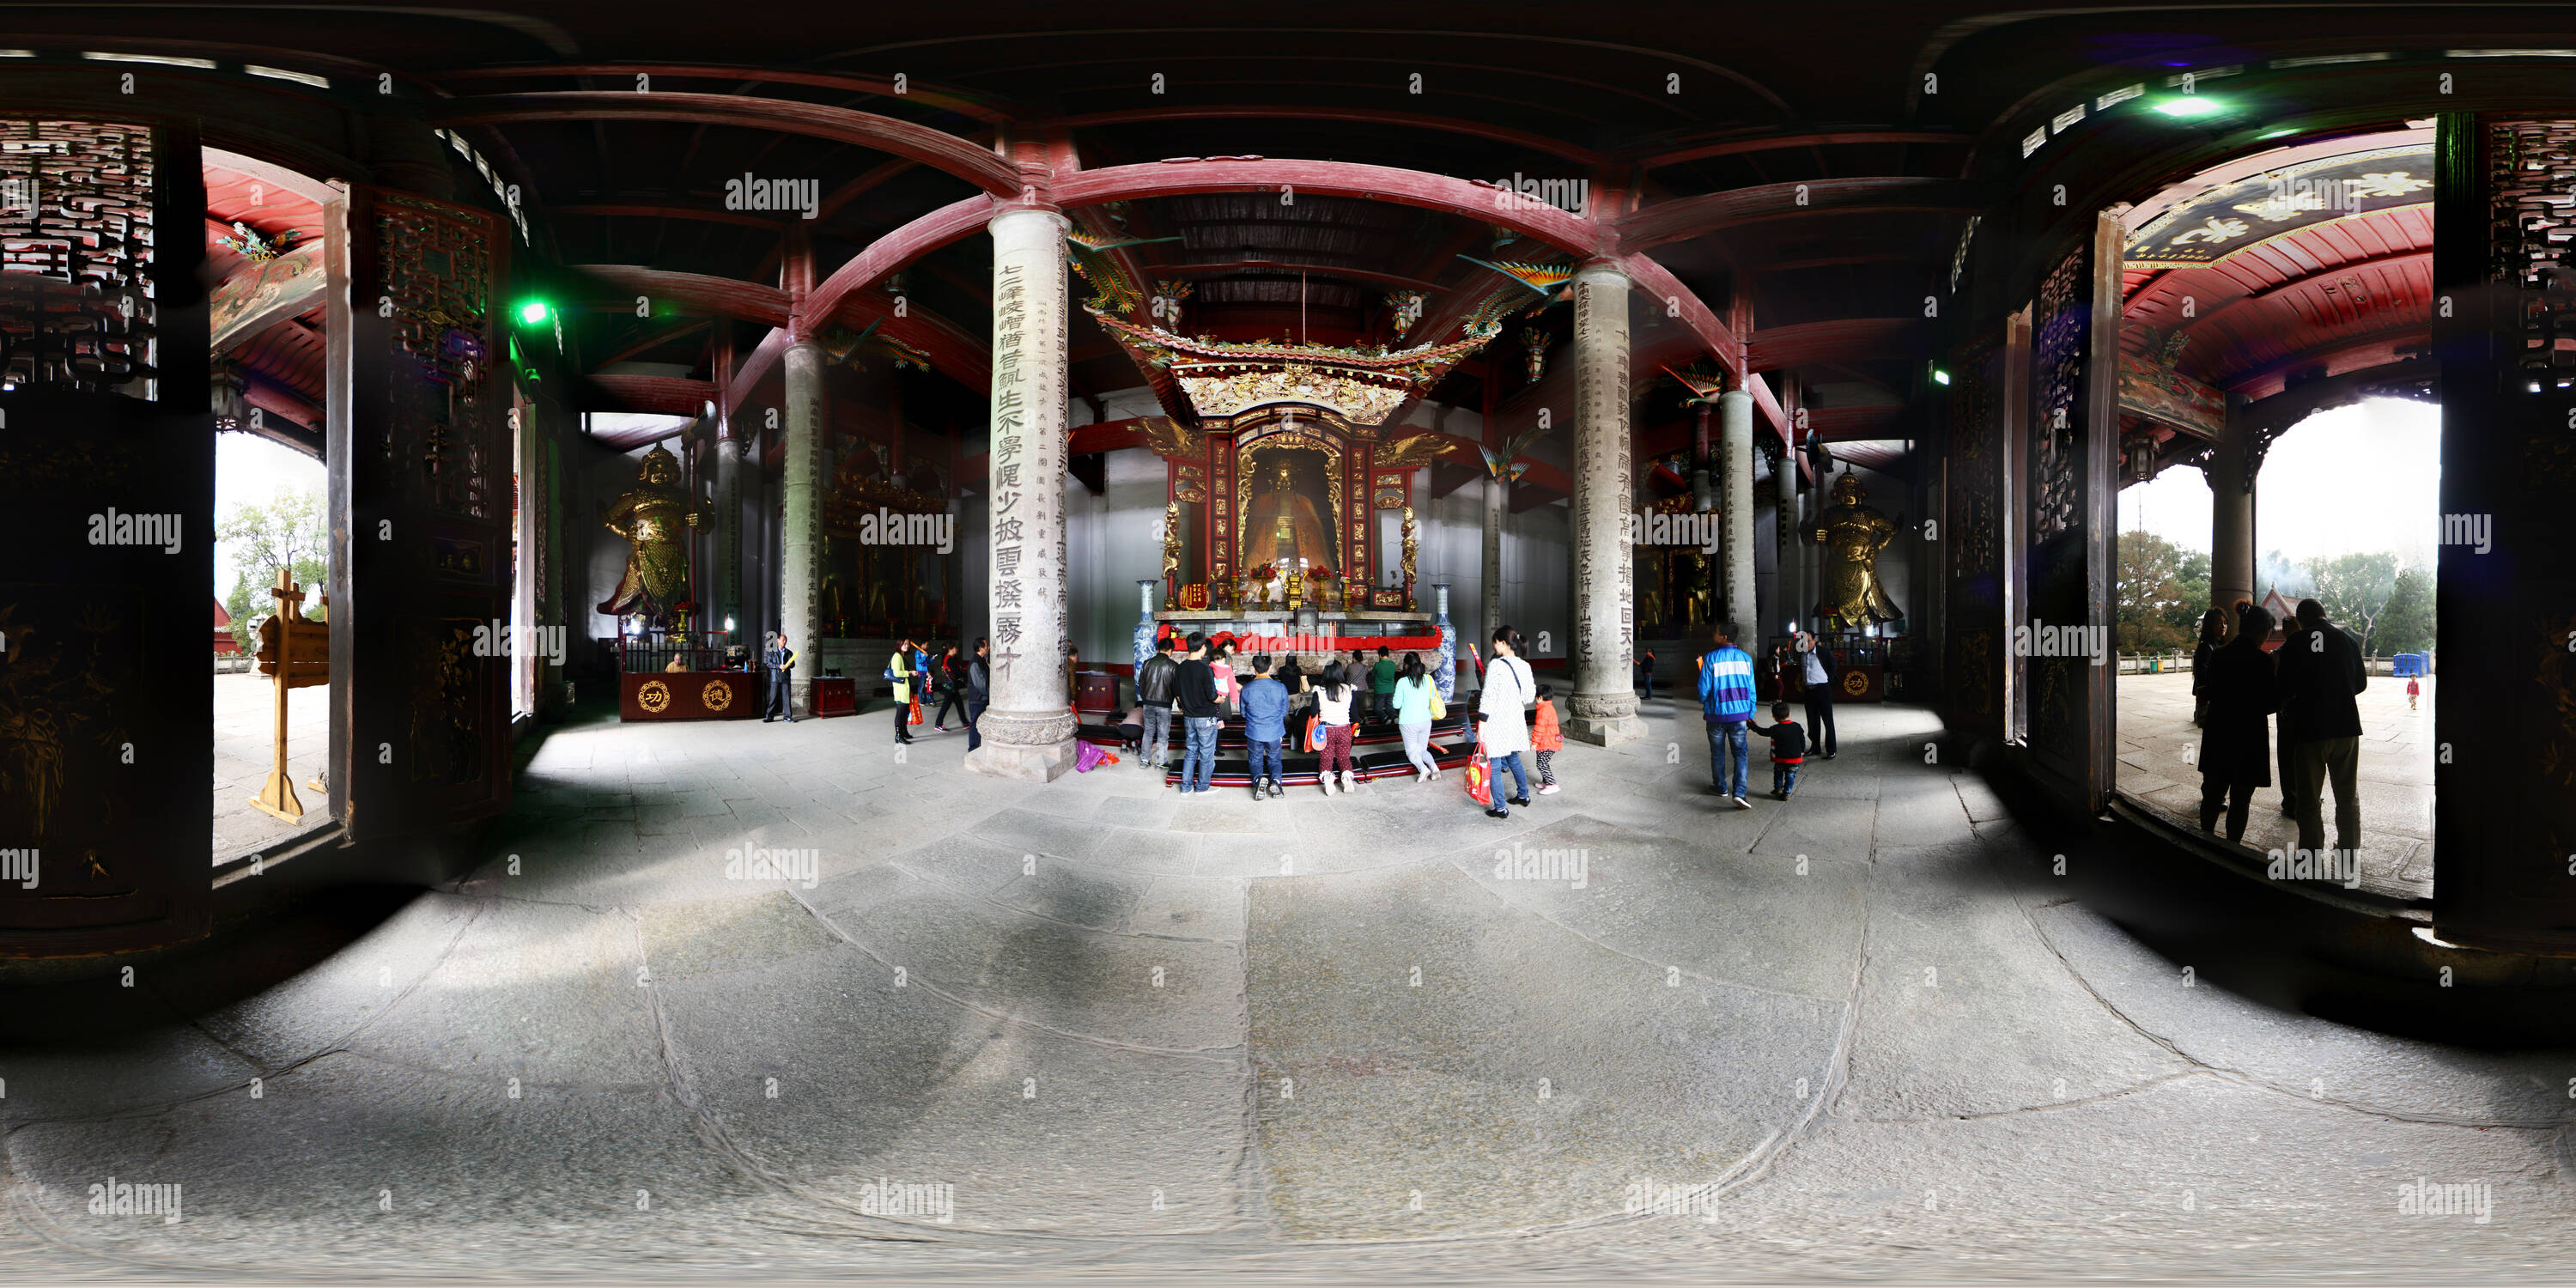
(937, 149)
(1663, 289)
(1679, 153)
(1466, 198)
(659, 395)
(1679, 220)
(703, 214)
(958, 101)
(1580, 155)
(695, 294)
(883, 256)
(1838, 340)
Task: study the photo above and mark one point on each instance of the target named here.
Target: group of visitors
(1204, 679)
(1727, 701)
(960, 681)
(2311, 683)
(1515, 716)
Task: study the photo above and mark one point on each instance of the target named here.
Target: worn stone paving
(1119, 1031)
(245, 751)
(2393, 777)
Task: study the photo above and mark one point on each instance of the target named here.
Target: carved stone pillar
(1028, 729)
(1735, 497)
(800, 532)
(1604, 708)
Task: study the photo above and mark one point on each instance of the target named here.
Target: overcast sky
(250, 470)
(2360, 478)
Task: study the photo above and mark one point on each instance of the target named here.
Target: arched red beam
(1580, 155)
(934, 148)
(668, 292)
(882, 257)
(1687, 217)
(661, 395)
(1838, 340)
(1464, 198)
(952, 100)
(1675, 155)
(703, 214)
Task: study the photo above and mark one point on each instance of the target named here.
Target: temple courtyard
(2393, 778)
(1096, 1026)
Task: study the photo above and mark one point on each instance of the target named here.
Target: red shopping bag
(1480, 774)
(916, 711)
(1315, 732)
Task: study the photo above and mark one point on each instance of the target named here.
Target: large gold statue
(651, 517)
(1281, 524)
(1852, 535)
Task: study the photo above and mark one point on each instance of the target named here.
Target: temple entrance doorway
(265, 230)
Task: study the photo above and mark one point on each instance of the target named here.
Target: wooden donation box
(836, 695)
(689, 695)
(1098, 692)
(295, 653)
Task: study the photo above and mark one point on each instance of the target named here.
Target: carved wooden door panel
(107, 453)
(2063, 631)
(421, 477)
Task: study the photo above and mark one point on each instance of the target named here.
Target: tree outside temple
(288, 532)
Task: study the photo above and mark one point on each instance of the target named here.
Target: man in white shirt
(1819, 677)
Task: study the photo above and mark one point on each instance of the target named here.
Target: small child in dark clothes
(1788, 749)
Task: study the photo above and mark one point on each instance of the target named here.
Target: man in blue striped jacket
(1726, 700)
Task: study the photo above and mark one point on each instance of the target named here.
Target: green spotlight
(2190, 105)
(534, 312)
(1940, 377)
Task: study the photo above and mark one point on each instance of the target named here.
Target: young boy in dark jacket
(1788, 749)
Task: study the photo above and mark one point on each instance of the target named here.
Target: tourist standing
(1154, 694)
(1333, 704)
(979, 691)
(1726, 703)
(1502, 722)
(1547, 737)
(1195, 689)
(1265, 723)
(2319, 673)
(2238, 689)
(1412, 697)
(779, 660)
(1221, 665)
(1382, 684)
(952, 686)
(899, 673)
(2213, 633)
(1817, 664)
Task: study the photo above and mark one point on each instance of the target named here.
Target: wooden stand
(296, 653)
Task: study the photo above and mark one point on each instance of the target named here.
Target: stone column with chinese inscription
(1735, 497)
(800, 520)
(1604, 708)
(1028, 729)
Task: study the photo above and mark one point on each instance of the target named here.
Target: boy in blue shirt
(1265, 723)
(1726, 702)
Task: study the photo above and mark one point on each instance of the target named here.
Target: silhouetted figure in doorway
(2319, 671)
(2237, 685)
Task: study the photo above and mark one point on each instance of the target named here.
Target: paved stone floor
(1126, 1033)
(2394, 778)
(245, 742)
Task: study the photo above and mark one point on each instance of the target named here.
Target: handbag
(1439, 709)
(1315, 732)
(1480, 777)
(916, 711)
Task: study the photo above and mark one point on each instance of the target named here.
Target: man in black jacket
(1194, 687)
(979, 690)
(2320, 671)
(781, 663)
(1154, 696)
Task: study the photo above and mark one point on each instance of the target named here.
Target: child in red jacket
(2411, 691)
(1547, 737)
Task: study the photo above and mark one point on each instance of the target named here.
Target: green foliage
(2354, 590)
(239, 605)
(2159, 609)
(2406, 622)
(288, 532)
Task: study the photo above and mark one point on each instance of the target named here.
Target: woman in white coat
(1502, 707)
